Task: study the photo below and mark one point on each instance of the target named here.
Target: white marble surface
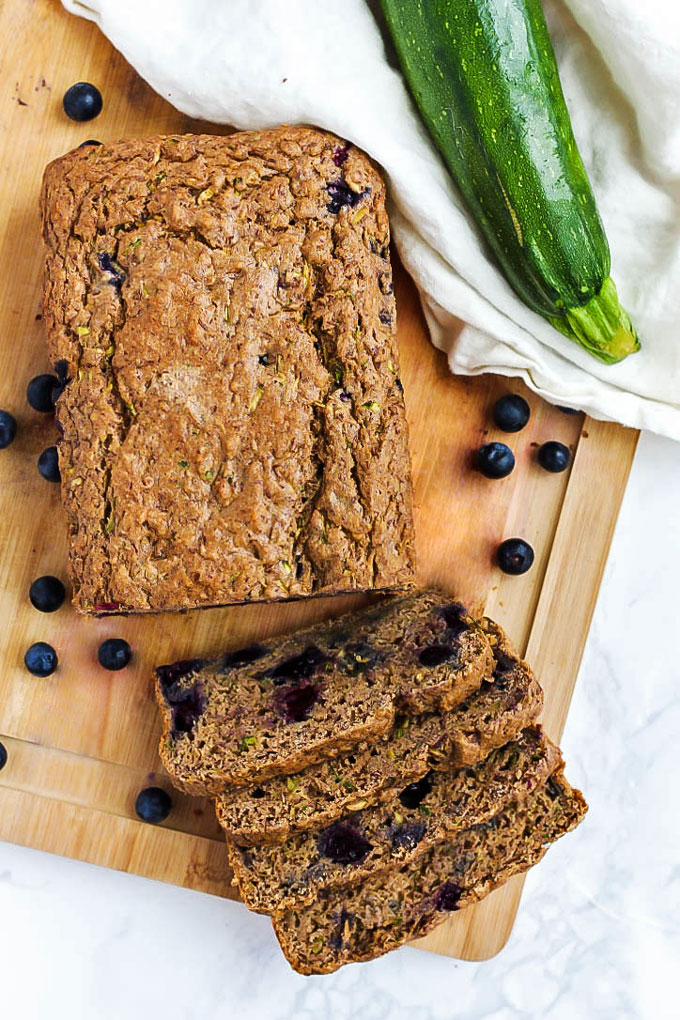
(598, 932)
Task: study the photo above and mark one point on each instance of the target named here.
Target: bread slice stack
(371, 774)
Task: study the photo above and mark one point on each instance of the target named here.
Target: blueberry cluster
(496, 460)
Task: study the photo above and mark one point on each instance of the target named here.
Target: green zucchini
(484, 76)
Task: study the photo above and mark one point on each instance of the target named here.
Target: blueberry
(414, 794)
(407, 836)
(114, 653)
(89, 141)
(243, 656)
(47, 594)
(294, 704)
(61, 368)
(62, 378)
(515, 556)
(48, 464)
(341, 194)
(187, 707)
(187, 702)
(298, 667)
(340, 154)
(455, 617)
(8, 429)
(344, 844)
(39, 392)
(41, 659)
(511, 412)
(448, 896)
(169, 675)
(153, 805)
(495, 460)
(82, 101)
(552, 789)
(108, 265)
(554, 456)
(567, 410)
(504, 664)
(3, 756)
(436, 655)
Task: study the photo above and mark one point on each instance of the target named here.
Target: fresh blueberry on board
(511, 412)
(114, 653)
(89, 141)
(83, 101)
(515, 556)
(47, 594)
(554, 456)
(41, 659)
(39, 392)
(495, 460)
(3, 756)
(48, 464)
(8, 429)
(153, 805)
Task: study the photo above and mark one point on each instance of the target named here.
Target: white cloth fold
(258, 63)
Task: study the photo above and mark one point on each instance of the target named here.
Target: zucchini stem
(602, 326)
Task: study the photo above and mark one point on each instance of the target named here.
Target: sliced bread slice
(416, 818)
(348, 925)
(274, 709)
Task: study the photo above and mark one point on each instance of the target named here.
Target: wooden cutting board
(82, 743)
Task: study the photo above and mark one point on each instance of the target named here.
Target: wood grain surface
(82, 743)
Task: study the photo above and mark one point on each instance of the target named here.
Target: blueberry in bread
(508, 699)
(220, 315)
(381, 913)
(274, 709)
(399, 830)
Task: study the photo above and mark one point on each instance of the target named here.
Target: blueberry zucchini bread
(418, 817)
(220, 314)
(508, 699)
(388, 909)
(274, 709)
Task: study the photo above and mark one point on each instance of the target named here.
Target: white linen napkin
(258, 63)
